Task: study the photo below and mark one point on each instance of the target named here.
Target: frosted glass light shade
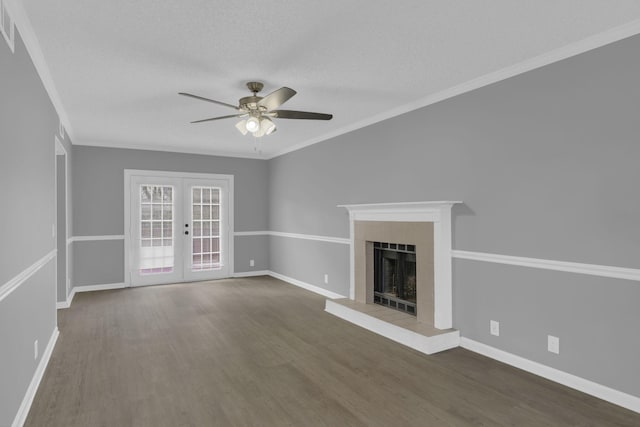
(242, 126)
(267, 126)
(253, 124)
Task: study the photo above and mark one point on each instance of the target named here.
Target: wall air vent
(7, 27)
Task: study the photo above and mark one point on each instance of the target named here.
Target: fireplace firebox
(394, 277)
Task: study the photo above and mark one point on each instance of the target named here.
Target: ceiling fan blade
(276, 98)
(219, 118)
(290, 114)
(235, 107)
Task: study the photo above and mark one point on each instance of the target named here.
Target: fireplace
(424, 225)
(394, 276)
(410, 244)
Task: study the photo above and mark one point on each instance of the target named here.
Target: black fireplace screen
(395, 276)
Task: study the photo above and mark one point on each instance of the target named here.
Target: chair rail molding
(548, 264)
(22, 277)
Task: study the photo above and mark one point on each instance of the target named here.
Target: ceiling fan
(257, 111)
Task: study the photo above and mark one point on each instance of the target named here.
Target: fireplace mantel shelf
(433, 211)
(400, 206)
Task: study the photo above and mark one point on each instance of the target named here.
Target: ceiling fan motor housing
(250, 103)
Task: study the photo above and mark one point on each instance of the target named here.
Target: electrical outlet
(252, 263)
(35, 349)
(494, 327)
(553, 344)
(326, 278)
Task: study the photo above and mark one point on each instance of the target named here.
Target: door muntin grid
(206, 233)
(156, 236)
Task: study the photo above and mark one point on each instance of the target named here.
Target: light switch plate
(494, 328)
(553, 344)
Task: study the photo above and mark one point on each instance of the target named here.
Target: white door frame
(128, 173)
(61, 151)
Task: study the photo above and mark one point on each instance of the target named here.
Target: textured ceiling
(118, 65)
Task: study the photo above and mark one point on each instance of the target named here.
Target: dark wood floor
(259, 352)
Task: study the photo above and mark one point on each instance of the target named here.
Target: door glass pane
(167, 212)
(156, 210)
(156, 229)
(145, 229)
(146, 212)
(205, 215)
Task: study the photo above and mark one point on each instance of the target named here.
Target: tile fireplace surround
(427, 225)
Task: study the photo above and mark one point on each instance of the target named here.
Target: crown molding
(595, 41)
(30, 40)
(168, 149)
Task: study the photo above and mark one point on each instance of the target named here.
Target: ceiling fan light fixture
(267, 126)
(259, 133)
(242, 127)
(252, 124)
(259, 111)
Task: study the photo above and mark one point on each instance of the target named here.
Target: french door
(179, 227)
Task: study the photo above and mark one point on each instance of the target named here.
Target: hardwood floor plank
(257, 351)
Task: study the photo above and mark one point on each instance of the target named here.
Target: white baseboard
(589, 387)
(105, 287)
(67, 303)
(307, 286)
(87, 288)
(251, 273)
(414, 340)
(25, 406)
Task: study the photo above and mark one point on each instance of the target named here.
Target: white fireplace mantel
(437, 212)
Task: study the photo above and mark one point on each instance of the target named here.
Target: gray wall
(309, 261)
(547, 166)
(98, 190)
(98, 262)
(28, 123)
(247, 248)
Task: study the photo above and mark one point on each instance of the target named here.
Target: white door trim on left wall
(61, 151)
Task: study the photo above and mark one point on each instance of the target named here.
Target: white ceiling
(118, 65)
